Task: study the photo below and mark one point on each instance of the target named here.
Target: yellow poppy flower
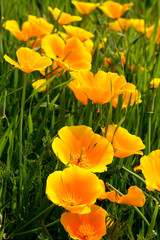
(124, 143)
(74, 189)
(138, 24)
(114, 9)
(78, 32)
(88, 44)
(40, 26)
(86, 226)
(64, 18)
(150, 166)
(29, 60)
(155, 82)
(71, 55)
(39, 83)
(85, 7)
(13, 27)
(79, 145)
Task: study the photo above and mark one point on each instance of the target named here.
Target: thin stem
(137, 210)
(149, 132)
(113, 188)
(36, 229)
(134, 174)
(45, 230)
(20, 143)
(142, 216)
(33, 219)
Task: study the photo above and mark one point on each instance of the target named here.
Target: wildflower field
(79, 120)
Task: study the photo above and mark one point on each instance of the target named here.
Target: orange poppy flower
(134, 197)
(130, 95)
(120, 25)
(71, 56)
(74, 188)
(40, 26)
(124, 143)
(85, 86)
(29, 60)
(155, 82)
(78, 32)
(114, 9)
(85, 226)
(85, 7)
(88, 43)
(79, 145)
(64, 18)
(150, 166)
(13, 27)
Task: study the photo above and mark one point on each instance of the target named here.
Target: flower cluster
(85, 154)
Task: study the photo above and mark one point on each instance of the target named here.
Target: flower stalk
(21, 143)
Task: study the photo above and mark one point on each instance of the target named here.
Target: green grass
(30, 120)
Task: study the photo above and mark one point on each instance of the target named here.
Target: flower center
(80, 159)
(86, 232)
(71, 199)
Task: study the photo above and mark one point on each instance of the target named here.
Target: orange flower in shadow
(85, 7)
(150, 32)
(134, 197)
(130, 96)
(85, 86)
(74, 189)
(114, 9)
(64, 18)
(78, 32)
(120, 25)
(119, 59)
(124, 143)
(29, 60)
(13, 27)
(71, 56)
(79, 145)
(150, 166)
(86, 226)
(53, 70)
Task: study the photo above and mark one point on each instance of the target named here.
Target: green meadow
(30, 121)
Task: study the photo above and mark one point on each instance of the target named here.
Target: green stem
(36, 229)
(33, 219)
(20, 143)
(113, 188)
(45, 230)
(149, 132)
(142, 216)
(138, 211)
(134, 174)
